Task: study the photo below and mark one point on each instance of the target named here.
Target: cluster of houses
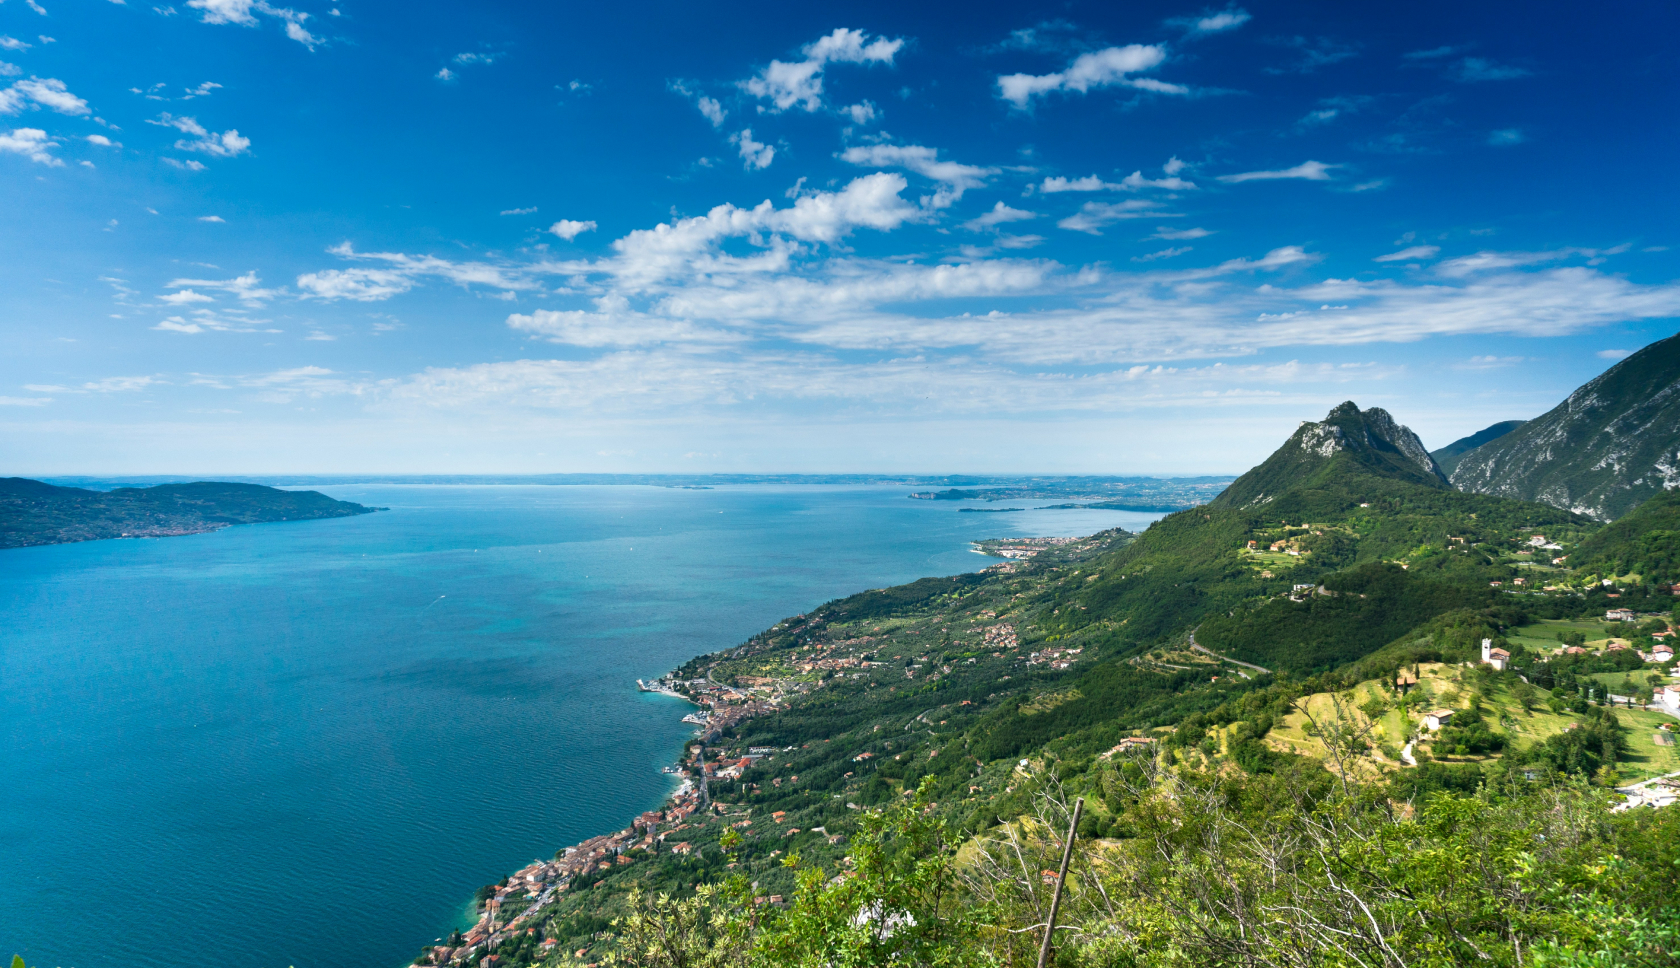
(516, 904)
(1021, 549)
(999, 637)
(1057, 658)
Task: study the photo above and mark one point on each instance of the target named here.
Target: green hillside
(35, 513)
(1212, 688)
(1645, 543)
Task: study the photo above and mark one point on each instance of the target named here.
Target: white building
(1437, 719)
(1498, 658)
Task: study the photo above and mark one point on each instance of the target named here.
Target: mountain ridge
(1447, 457)
(1608, 446)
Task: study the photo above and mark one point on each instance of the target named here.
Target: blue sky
(1075, 238)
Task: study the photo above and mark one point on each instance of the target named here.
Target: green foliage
(1368, 607)
(712, 929)
(1646, 542)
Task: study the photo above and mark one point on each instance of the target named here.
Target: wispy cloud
(227, 144)
(243, 13)
(1109, 67)
(1092, 217)
(1306, 170)
(1410, 253)
(1176, 235)
(1225, 20)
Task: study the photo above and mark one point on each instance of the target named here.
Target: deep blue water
(307, 743)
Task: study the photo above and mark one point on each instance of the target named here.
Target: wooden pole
(1061, 880)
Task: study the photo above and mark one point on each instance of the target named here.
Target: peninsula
(37, 513)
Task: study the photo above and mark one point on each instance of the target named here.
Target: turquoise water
(307, 743)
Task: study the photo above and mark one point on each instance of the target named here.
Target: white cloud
(188, 165)
(518, 211)
(569, 229)
(999, 214)
(712, 108)
(36, 7)
(444, 74)
(612, 324)
(1104, 68)
(800, 83)
(247, 288)
(954, 178)
(296, 31)
(185, 297)
(402, 272)
(47, 92)
(1614, 354)
(1093, 216)
(1175, 235)
(1308, 170)
(24, 401)
(102, 141)
(1090, 183)
(212, 218)
(1488, 261)
(475, 58)
(1506, 136)
(239, 12)
(228, 144)
(361, 285)
(1162, 254)
(1230, 18)
(203, 90)
(9, 70)
(1133, 182)
(1414, 252)
(862, 112)
(226, 11)
(753, 154)
(32, 143)
(12, 43)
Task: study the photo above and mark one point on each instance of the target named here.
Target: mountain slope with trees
(906, 802)
(1613, 443)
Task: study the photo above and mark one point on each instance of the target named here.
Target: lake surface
(308, 743)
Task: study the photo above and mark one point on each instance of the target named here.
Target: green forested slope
(1646, 543)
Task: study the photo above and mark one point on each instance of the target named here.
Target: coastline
(524, 895)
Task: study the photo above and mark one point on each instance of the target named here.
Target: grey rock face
(1610, 445)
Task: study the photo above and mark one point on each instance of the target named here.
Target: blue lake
(308, 743)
